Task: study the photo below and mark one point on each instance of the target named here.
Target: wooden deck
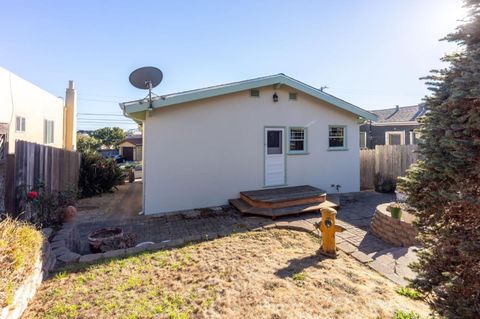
(276, 202)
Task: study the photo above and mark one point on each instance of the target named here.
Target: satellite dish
(146, 78)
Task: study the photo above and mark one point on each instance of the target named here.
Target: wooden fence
(387, 160)
(56, 168)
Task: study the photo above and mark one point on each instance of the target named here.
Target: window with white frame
(363, 139)
(297, 140)
(395, 138)
(48, 134)
(20, 124)
(337, 137)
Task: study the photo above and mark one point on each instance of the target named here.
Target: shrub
(20, 246)
(98, 175)
(44, 208)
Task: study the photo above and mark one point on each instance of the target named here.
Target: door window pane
(274, 142)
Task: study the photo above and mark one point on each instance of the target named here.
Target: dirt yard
(267, 274)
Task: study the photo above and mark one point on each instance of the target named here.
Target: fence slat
(58, 169)
(389, 161)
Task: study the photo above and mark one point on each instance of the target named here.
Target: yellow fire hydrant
(328, 229)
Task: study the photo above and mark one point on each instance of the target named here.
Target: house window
(20, 124)
(363, 139)
(395, 138)
(292, 96)
(48, 136)
(336, 137)
(255, 92)
(297, 140)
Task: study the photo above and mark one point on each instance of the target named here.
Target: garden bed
(268, 274)
(398, 232)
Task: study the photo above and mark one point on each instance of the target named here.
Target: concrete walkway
(355, 215)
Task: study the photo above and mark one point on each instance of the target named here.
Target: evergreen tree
(445, 186)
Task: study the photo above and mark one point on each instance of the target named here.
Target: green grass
(409, 293)
(400, 314)
(299, 276)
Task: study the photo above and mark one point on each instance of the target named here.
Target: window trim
(401, 133)
(364, 135)
(46, 123)
(305, 140)
(23, 124)
(345, 144)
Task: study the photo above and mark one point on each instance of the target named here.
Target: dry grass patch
(268, 274)
(20, 247)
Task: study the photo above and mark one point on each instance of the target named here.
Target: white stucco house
(202, 147)
(29, 113)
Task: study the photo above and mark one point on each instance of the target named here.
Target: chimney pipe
(70, 125)
(397, 107)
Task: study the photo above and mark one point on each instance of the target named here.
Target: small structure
(131, 148)
(395, 126)
(204, 146)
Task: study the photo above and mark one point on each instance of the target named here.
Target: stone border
(119, 253)
(65, 244)
(42, 266)
(394, 231)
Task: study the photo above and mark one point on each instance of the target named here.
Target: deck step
(284, 197)
(246, 208)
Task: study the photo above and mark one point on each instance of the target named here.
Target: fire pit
(103, 235)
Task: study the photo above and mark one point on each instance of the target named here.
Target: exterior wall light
(275, 97)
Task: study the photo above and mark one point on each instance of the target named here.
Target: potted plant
(396, 211)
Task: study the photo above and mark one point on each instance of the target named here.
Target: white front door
(274, 156)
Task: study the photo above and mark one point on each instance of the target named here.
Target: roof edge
(193, 95)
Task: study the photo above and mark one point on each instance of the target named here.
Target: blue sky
(370, 53)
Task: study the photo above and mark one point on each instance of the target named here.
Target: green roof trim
(204, 93)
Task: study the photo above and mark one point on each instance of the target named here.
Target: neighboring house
(31, 114)
(202, 147)
(395, 126)
(131, 148)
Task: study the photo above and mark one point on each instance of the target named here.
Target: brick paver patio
(355, 215)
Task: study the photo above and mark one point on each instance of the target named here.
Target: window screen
(274, 142)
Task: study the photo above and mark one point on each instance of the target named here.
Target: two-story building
(32, 114)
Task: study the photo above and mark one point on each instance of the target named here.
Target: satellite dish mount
(146, 78)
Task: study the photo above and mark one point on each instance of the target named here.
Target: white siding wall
(203, 153)
(19, 97)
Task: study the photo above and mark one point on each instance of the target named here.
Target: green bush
(98, 175)
(45, 208)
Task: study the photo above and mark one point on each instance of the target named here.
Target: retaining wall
(394, 231)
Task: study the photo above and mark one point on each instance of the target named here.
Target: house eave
(140, 106)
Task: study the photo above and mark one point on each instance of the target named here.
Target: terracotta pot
(98, 236)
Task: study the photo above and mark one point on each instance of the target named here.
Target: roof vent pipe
(397, 107)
